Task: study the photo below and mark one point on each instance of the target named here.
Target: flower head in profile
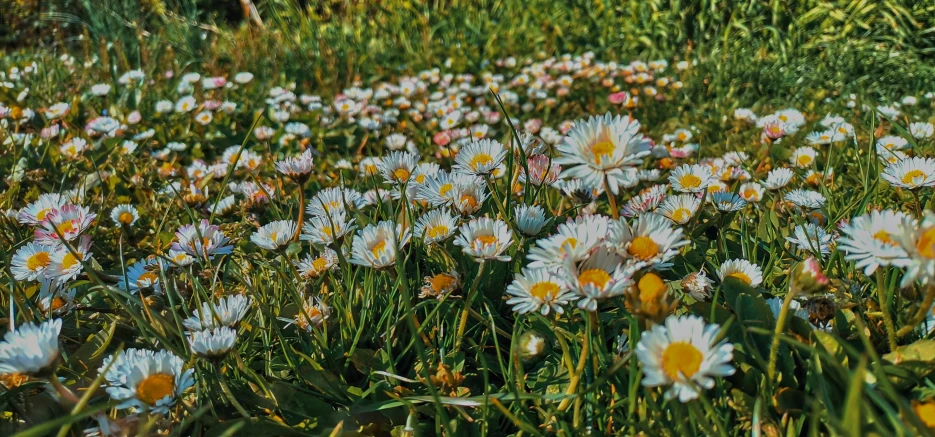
(312, 267)
(213, 343)
(870, 240)
(141, 275)
(684, 353)
(228, 311)
(144, 379)
(529, 219)
(918, 240)
(275, 235)
(202, 241)
(435, 226)
(297, 168)
(741, 269)
(31, 349)
(912, 173)
(377, 245)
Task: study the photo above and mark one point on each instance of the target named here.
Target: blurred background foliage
(756, 49)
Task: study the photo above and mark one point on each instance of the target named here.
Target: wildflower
(31, 349)
(327, 228)
(751, 192)
(603, 275)
(741, 269)
(377, 245)
(275, 235)
(529, 219)
(912, 173)
(141, 275)
(468, 198)
(646, 201)
(531, 345)
(299, 168)
(921, 130)
(440, 285)
(680, 209)
(124, 215)
(64, 224)
(67, 262)
(683, 353)
(35, 213)
(604, 148)
(803, 157)
(485, 239)
(807, 277)
(727, 202)
(31, 260)
(397, 167)
(314, 312)
(436, 226)
(918, 240)
(541, 170)
(213, 343)
(53, 299)
(651, 239)
(649, 298)
(313, 267)
(331, 199)
(205, 240)
(870, 240)
(806, 199)
(778, 178)
(228, 311)
(690, 178)
(573, 240)
(480, 158)
(144, 379)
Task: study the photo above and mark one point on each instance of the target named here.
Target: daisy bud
(531, 345)
(808, 278)
(649, 298)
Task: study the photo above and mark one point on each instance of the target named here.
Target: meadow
(467, 218)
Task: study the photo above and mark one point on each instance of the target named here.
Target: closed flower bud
(531, 345)
(808, 278)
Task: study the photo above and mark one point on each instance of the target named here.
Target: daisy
(646, 201)
(213, 343)
(803, 157)
(229, 311)
(921, 130)
(377, 245)
(275, 235)
(298, 168)
(892, 142)
(370, 166)
(680, 209)
(31, 260)
(869, 240)
(397, 167)
(778, 178)
(811, 238)
(205, 240)
(124, 215)
(918, 240)
(485, 239)
(31, 349)
(468, 198)
(529, 219)
(440, 285)
(36, 212)
(684, 353)
(651, 239)
(143, 379)
(314, 312)
(66, 223)
(538, 290)
(67, 262)
(806, 199)
(186, 104)
(727, 202)
(821, 138)
(603, 275)
(141, 275)
(541, 169)
(741, 269)
(912, 173)
(335, 198)
(691, 178)
(436, 226)
(327, 228)
(312, 267)
(751, 192)
(480, 158)
(573, 239)
(604, 148)
(54, 300)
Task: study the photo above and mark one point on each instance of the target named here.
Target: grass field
(468, 218)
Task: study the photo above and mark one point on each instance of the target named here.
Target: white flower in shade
(918, 240)
(751, 192)
(646, 201)
(66, 223)
(67, 263)
(229, 311)
(806, 199)
(685, 354)
(803, 157)
(325, 229)
(31, 349)
(604, 148)
(811, 238)
(178, 258)
(275, 235)
(36, 212)
(54, 300)
(297, 168)
(539, 290)
(398, 167)
(741, 269)
(31, 260)
(869, 240)
(727, 202)
(651, 239)
(480, 158)
(164, 106)
(680, 209)
(468, 198)
(573, 239)
(691, 178)
(892, 142)
(124, 215)
(213, 343)
(485, 239)
(204, 117)
(603, 275)
(377, 245)
(141, 275)
(144, 379)
(541, 170)
(911, 173)
(921, 130)
(435, 226)
(312, 267)
(205, 240)
(440, 285)
(333, 199)
(314, 312)
(529, 219)
(778, 178)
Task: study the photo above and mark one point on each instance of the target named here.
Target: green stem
(613, 201)
(920, 314)
(222, 381)
(780, 325)
(883, 296)
(462, 324)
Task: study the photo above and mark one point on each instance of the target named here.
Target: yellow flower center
(485, 240)
(570, 242)
(596, 277)
(783, 118)
(41, 215)
(690, 181)
(319, 264)
(420, 178)
(601, 149)
(544, 290)
(926, 412)
(681, 214)
(272, 236)
(643, 248)
(155, 387)
(38, 260)
(370, 169)
(469, 200)
(443, 191)
(804, 160)
(147, 279)
(65, 227)
(437, 231)
(378, 248)
(125, 218)
(913, 177)
(681, 136)
(442, 282)
(681, 357)
(56, 303)
(70, 260)
(742, 276)
(481, 159)
(926, 244)
(750, 194)
(651, 288)
(401, 174)
(884, 237)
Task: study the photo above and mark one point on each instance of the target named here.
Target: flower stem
(780, 325)
(222, 381)
(613, 201)
(298, 228)
(576, 378)
(915, 195)
(920, 314)
(462, 324)
(883, 297)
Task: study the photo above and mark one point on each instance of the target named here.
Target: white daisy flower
(228, 311)
(803, 157)
(680, 209)
(646, 201)
(480, 158)
(751, 192)
(67, 264)
(397, 167)
(377, 245)
(124, 215)
(921, 130)
(892, 142)
(811, 238)
(327, 228)
(869, 240)
(435, 226)
(36, 212)
(529, 219)
(213, 343)
(143, 379)
(31, 349)
(806, 199)
(312, 267)
(141, 275)
(298, 168)
(778, 178)
(691, 178)
(66, 223)
(741, 269)
(727, 202)
(31, 260)
(538, 290)
(468, 198)
(331, 199)
(573, 239)
(275, 235)
(918, 240)
(651, 239)
(205, 240)
(912, 173)
(603, 275)
(314, 312)
(684, 353)
(54, 300)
